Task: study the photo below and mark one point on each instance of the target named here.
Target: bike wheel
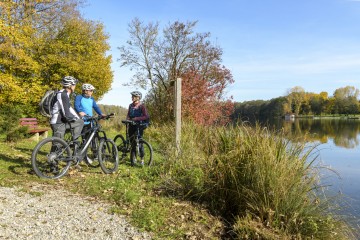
(121, 146)
(91, 157)
(108, 156)
(148, 153)
(51, 158)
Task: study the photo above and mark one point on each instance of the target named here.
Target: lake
(338, 147)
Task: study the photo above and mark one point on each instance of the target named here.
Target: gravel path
(57, 214)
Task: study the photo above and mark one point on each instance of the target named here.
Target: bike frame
(136, 138)
(95, 130)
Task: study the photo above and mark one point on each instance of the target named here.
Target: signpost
(178, 114)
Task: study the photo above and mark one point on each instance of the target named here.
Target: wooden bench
(32, 124)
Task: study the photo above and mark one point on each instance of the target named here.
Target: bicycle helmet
(137, 94)
(87, 86)
(69, 81)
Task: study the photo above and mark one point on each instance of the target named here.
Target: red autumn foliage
(202, 96)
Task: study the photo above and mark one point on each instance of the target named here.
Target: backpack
(47, 103)
(147, 121)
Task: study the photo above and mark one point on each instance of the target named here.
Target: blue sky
(270, 46)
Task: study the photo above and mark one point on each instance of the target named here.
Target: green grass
(134, 191)
(247, 179)
(261, 183)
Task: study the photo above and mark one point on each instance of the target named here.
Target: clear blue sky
(270, 46)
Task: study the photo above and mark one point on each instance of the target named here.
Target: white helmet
(69, 81)
(137, 94)
(87, 86)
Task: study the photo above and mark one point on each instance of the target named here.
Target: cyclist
(63, 115)
(85, 103)
(137, 112)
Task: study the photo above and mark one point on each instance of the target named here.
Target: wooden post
(178, 114)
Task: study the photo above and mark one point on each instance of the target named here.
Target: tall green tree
(43, 40)
(346, 100)
(296, 97)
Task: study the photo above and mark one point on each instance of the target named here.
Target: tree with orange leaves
(203, 96)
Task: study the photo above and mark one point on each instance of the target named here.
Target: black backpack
(47, 103)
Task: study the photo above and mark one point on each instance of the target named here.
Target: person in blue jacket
(85, 103)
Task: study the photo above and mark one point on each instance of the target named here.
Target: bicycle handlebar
(87, 118)
(130, 122)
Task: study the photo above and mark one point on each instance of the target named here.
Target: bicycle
(91, 158)
(53, 156)
(143, 149)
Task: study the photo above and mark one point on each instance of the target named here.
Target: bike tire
(91, 158)
(148, 152)
(48, 158)
(121, 146)
(108, 156)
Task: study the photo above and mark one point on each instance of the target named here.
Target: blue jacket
(86, 105)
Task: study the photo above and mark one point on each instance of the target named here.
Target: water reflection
(339, 150)
(342, 132)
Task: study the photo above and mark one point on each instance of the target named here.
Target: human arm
(97, 108)
(78, 107)
(65, 106)
(128, 113)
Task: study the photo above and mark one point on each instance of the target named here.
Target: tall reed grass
(266, 186)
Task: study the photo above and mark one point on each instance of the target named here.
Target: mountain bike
(143, 149)
(53, 156)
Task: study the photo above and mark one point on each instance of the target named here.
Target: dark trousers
(132, 135)
(59, 129)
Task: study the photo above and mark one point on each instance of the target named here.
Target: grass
(248, 180)
(265, 186)
(133, 191)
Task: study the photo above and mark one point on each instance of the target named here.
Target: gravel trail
(57, 214)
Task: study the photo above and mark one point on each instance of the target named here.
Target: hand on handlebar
(104, 116)
(70, 119)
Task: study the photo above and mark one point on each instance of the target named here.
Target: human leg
(132, 135)
(77, 126)
(58, 130)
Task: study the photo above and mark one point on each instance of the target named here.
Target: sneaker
(89, 160)
(142, 162)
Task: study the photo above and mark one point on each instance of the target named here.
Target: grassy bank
(233, 182)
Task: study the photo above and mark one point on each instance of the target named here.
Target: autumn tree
(346, 100)
(202, 97)
(295, 98)
(158, 60)
(43, 40)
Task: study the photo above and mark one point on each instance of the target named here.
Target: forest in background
(299, 102)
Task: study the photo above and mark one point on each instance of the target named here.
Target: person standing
(63, 115)
(85, 103)
(137, 112)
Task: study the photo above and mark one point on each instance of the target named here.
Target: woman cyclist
(137, 112)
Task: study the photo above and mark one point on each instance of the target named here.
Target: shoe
(89, 160)
(142, 162)
(133, 162)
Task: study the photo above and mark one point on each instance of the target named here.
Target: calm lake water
(338, 143)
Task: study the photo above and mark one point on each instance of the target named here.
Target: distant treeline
(118, 110)
(298, 102)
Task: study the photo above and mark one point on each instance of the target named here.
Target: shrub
(9, 122)
(252, 175)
